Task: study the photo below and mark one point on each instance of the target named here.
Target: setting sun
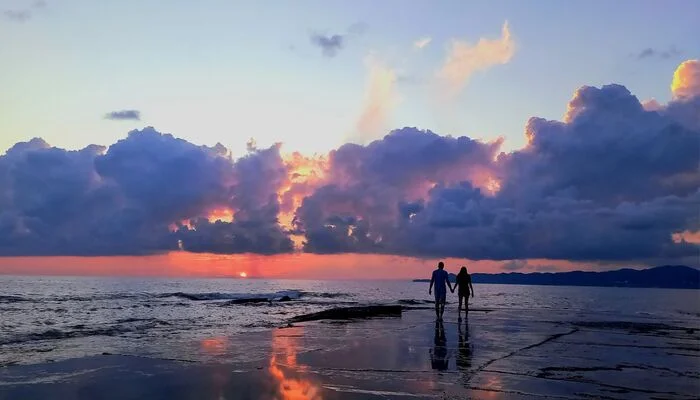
(243, 275)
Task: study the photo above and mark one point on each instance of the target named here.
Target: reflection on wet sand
(214, 345)
(493, 384)
(283, 363)
(438, 354)
(220, 378)
(464, 356)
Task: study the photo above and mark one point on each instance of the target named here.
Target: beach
(491, 354)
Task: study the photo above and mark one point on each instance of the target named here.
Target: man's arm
(432, 280)
(449, 285)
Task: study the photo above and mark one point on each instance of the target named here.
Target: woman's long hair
(462, 272)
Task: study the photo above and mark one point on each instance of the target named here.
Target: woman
(464, 282)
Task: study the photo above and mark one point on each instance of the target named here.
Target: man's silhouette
(441, 280)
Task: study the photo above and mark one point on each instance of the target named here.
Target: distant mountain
(667, 276)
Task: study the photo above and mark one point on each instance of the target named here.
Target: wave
(324, 295)
(120, 327)
(284, 295)
(13, 299)
(415, 301)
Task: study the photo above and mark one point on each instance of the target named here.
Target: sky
(330, 138)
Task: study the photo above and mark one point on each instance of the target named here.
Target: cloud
(651, 105)
(686, 80)
(148, 193)
(422, 42)
(464, 59)
(380, 100)
(613, 181)
(650, 52)
(330, 45)
(371, 191)
(124, 115)
(24, 14)
(514, 265)
(546, 268)
(17, 15)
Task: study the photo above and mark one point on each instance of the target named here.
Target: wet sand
(492, 354)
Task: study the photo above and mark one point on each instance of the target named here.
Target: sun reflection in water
(214, 345)
(285, 370)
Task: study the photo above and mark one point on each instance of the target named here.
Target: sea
(46, 318)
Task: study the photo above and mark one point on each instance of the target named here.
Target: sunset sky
(347, 139)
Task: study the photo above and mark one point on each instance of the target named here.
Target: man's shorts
(440, 297)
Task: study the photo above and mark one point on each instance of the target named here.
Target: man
(441, 280)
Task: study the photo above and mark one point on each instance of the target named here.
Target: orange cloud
(686, 236)
(380, 99)
(305, 173)
(223, 214)
(686, 80)
(464, 59)
(652, 105)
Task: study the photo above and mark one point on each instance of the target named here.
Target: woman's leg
(459, 307)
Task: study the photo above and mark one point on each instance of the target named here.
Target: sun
(243, 275)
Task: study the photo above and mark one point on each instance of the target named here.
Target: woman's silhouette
(464, 282)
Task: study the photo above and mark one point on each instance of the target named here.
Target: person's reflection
(438, 354)
(464, 356)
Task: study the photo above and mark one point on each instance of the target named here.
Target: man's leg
(437, 306)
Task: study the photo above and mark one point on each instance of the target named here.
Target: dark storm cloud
(609, 150)
(330, 45)
(124, 115)
(381, 183)
(252, 194)
(650, 52)
(127, 199)
(611, 182)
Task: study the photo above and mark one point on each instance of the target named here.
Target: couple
(441, 280)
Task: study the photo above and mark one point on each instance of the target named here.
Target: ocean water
(52, 318)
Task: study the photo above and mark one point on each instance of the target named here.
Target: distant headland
(667, 276)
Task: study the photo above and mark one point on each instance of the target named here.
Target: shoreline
(492, 353)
